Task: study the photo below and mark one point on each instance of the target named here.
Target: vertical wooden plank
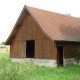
(39, 54)
(23, 29)
(30, 28)
(33, 34)
(42, 48)
(26, 28)
(11, 49)
(55, 50)
(35, 29)
(14, 50)
(39, 49)
(50, 49)
(47, 48)
(36, 48)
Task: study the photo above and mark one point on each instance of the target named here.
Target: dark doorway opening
(60, 56)
(30, 46)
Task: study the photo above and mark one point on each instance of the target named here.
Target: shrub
(77, 55)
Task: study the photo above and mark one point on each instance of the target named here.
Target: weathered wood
(13, 51)
(44, 47)
(69, 49)
(29, 30)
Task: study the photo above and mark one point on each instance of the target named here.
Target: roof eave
(66, 41)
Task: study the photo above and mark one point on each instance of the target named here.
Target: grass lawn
(26, 71)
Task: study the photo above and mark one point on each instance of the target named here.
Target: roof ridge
(51, 12)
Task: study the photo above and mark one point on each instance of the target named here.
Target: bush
(77, 55)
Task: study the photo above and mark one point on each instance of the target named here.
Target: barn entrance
(60, 56)
(30, 46)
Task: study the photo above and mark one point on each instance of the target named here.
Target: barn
(44, 37)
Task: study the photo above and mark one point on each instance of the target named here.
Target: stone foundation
(45, 62)
(20, 60)
(40, 62)
(68, 61)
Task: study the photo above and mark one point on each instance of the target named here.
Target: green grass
(15, 71)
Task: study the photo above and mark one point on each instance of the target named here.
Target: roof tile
(57, 26)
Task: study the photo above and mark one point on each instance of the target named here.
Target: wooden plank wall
(69, 49)
(45, 49)
(29, 30)
(17, 49)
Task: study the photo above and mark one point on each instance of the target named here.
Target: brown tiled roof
(56, 26)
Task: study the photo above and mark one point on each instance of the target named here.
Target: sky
(10, 11)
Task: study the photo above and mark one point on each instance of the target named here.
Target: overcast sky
(10, 10)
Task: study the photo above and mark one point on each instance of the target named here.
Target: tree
(67, 13)
(3, 43)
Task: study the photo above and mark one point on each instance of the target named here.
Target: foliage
(3, 43)
(15, 71)
(2, 47)
(77, 55)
